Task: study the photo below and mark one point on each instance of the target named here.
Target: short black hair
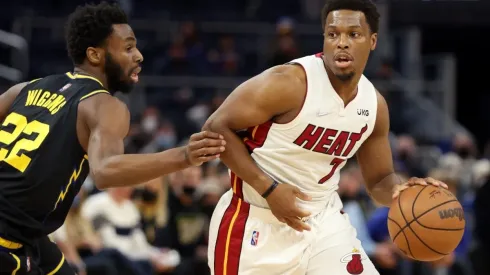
(365, 6)
(89, 26)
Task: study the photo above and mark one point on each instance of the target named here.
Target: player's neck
(346, 89)
(86, 70)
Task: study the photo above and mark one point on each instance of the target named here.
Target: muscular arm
(273, 93)
(7, 99)
(375, 159)
(107, 122)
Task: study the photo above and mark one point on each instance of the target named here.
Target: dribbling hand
(417, 181)
(203, 147)
(282, 202)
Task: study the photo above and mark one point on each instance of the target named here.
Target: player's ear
(374, 41)
(94, 55)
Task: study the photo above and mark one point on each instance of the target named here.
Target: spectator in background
(382, 253)
(225, 59)
(117, 221)
(83, 249)
(481, 255)
(285, 47)
(151, 199)
(185, 229)
(194, 47)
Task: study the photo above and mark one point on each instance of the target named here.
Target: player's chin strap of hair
(270, 189)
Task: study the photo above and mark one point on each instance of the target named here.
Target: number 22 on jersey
(12, 157)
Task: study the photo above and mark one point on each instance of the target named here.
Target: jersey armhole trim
(34, 80)
(79, 76)
(294, 122)
(94, 93)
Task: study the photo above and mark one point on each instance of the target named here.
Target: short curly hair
(89, 26)
(365, 6)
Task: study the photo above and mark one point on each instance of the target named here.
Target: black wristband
(270, 189)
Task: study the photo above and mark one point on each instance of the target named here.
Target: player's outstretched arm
(375, 158)
(7, 98)
(106, 122)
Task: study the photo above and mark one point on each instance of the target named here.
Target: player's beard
(115, 75)
(345, 77)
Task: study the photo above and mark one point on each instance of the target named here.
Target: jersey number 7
(336, 162)
(12, 157)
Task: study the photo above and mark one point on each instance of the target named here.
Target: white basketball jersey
(309, 151)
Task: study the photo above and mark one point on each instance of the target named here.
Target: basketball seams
(403, 215)
(414, 196)
(417, 236)
(423, 214)
(439, 229)
(407, 223)
(415, 219)
(405, 236)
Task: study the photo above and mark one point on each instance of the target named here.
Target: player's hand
(417, 181)
(282, 202)
(203, 147)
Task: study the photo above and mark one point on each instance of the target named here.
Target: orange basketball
(426, 222)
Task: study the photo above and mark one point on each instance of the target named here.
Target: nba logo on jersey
(65, 87)
(255, 238)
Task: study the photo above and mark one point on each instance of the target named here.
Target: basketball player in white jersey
(305, 119)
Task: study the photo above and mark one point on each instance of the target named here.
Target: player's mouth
(343, 60)
(134, 74)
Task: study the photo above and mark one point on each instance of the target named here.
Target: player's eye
(129, 48)
(355, 34)
(332, 34)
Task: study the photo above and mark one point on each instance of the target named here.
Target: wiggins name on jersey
(42, 164)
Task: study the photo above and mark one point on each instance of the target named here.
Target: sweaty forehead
(345, 18)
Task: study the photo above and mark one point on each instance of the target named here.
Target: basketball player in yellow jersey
(54, 129)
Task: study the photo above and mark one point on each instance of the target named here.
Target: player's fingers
(203, 143)
(301, 195)
(208, 134)
(416, 181)
(436, 182)
(399, 190)
(297, 224)
(208, 151)
(298, 212)
(207, 158)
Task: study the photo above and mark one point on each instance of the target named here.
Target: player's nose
(343, 42)
(138, 56)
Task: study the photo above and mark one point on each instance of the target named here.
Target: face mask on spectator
(189, 190)
(166, 140)
(463, 152)
(149, 124)
(148, 196)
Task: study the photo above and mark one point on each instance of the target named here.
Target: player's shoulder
(287, 78)
(381, 101)
(99, 104)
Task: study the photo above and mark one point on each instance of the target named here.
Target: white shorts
(249, 240)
